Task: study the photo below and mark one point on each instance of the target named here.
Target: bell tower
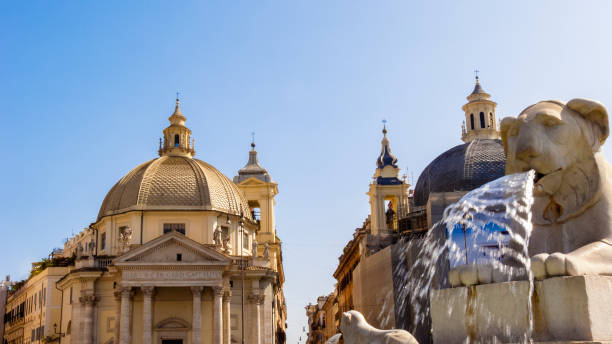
(480, 121)
(260, 190)
(177, 136)
(388, 194)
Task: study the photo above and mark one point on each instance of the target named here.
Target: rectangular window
(39, 298)
(245, 241)
(179, 227)
(33, 335)
(224, 232)
(179, 257)
(44, 296)
(37, 333)
(35, 301)
(103, 241)
(70, 300)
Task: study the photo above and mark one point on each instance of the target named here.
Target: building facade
(372, 273)
(179, 253)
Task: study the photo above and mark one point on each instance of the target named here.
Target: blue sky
(86, 88)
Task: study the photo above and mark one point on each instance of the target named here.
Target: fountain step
(565, 310)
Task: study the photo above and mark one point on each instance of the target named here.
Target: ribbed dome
(174, 183)
(462, 168)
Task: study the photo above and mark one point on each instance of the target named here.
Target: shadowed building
(372, 274)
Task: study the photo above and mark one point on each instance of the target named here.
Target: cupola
(177, 137)
(480, 119)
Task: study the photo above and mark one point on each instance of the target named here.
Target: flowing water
(489, 226)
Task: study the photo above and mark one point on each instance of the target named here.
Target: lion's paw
(472, 274)
(546, 265)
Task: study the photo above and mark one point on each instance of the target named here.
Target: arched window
(176, 140)
(482, 120)
(472, 121)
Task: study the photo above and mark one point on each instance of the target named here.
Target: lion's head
(351, 322)
(560, 142)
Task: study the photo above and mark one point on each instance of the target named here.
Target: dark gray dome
(462, 168)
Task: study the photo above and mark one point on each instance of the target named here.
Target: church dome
(175, 180)
(462, 168)
(174, 183)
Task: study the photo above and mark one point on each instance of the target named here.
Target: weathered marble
(564, 309)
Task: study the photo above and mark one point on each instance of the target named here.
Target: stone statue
(356, 330)
(390, 215)
(125, 236)
(266, 252)
(217, 236)
(226, 242)
(92, 246)
(572, 211)
(254, 248)
(79, 251)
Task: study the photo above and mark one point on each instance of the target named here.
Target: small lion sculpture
(356, 330)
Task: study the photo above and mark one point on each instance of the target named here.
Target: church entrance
(172, 341)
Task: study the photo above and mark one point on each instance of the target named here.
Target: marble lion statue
(356, 330)
(572, 211)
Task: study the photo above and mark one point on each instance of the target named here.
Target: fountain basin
(565, 310)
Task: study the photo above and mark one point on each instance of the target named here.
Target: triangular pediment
(252, 181)
(173, 248)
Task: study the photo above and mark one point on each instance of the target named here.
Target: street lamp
(241, 231)
(60, 334)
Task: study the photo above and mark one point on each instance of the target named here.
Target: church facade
(179, 253)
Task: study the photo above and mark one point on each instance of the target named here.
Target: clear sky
(86, 88)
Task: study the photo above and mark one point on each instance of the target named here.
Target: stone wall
(373, 289)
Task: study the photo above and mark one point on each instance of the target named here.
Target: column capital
(148, 291)
(218, 291)
(227, 296)
(125, 291)
(256, 298)
(196, 290)
(88, 299)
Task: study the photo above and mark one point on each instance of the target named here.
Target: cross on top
(177, 96)
(476, 71)
(253, 139)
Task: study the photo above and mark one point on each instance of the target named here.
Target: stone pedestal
(565, 309)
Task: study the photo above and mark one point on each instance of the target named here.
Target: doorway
(172, 341)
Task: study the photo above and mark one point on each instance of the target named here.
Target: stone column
(218, 315)
(147, 314)
(117, 315)
(197, 315)
(87, 318)
(227, 318)
(256, 301)
(126, 316)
